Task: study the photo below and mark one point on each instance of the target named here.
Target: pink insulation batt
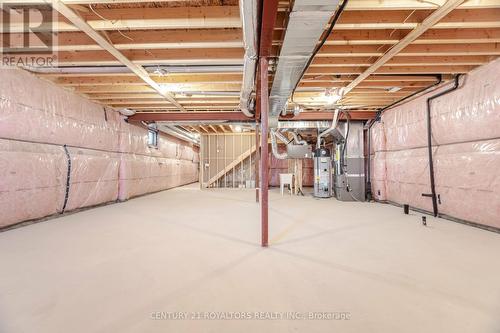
(110, 159)
(466, 147)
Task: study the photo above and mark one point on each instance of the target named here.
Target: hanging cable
(113, 22)
(68, 179)
(343, 157)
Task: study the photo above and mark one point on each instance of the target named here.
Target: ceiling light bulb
(331, 97)
(296, 110)
(237, 128)
(394, 89)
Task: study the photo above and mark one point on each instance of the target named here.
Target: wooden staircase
(230, 166)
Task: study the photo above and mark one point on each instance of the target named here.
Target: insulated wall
(46, 131)
(466, 150)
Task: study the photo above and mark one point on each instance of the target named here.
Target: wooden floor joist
(382, 50)
(146, 19)
(429, 22)
(85, 27)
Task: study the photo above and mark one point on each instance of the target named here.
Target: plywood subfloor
(112, 268)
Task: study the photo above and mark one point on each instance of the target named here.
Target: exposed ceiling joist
(176, 88)
(430, 21)
(415, 4)
(137, 69)
(390, 70)
(410, 19)
(172, 79)
(353, 5)
(85, 2)
(432, 36)
(144, 39)
(232, 56)
(125, 19)
(410, 50)
(403, 61)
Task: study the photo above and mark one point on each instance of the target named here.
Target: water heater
(322, 173)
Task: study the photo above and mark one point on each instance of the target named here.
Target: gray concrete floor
(113, 268)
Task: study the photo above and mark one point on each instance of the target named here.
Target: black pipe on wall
(429, 145)
(439, 79)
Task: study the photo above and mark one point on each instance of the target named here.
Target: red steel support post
(257, 162)
(269, 13)
(264, 157)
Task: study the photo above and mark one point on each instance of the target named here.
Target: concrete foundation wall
(108, 158)
(466, 150)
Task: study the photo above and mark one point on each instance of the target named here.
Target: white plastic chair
(286, 179)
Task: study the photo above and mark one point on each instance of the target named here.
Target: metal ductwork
(275, 134)
(179, 133)
(306, 24)
(297, 139)
(295, 148)
(248, 13)
(331, 129)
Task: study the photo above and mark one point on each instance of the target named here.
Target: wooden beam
(409, 50)
(143, 39)
(431, 20)
(176, 88)
(377, 5)
(215, 130)
(200, 108)
(403, 61)
(183, 101)
(137, 96)
(85, 27)
(391, 70)
(432, 36)
(352, 5)
(237, 116)
(125, 19)
(355, 91)
(410, 19)
(133, 80)
(85, 2)
(373, 85)
(374, 78)
(159, 106)
(410, 16)
(190, 116)
(153, 57)
(129, 74)
(202, 129)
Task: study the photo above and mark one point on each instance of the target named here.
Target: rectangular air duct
(306, 24)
